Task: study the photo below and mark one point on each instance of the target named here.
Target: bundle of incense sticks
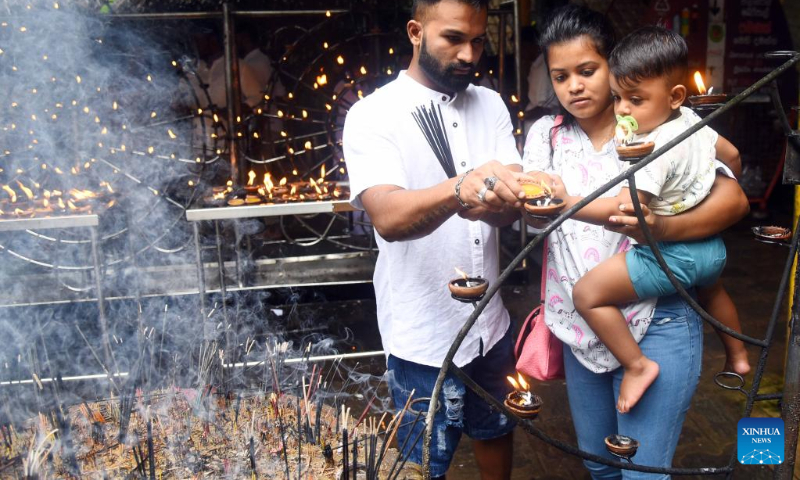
(431, 122)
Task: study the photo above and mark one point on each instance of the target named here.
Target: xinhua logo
(760, 441)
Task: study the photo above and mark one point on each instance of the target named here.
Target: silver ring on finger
(482, 194)
(490, 182)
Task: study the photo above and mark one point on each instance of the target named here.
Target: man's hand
(627, 223)
(506, 191)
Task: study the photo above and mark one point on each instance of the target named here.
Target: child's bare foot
(635, 382)
(736, 361)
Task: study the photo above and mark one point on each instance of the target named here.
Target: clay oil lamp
(622, 446)
(627, 149)
(522, 401)
(773, 234)
(251, 187)
(280, 189)
(250, 199)
(467, 289)
(706, 99)
(539, 201)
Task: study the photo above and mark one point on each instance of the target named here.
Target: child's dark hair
(418, 5)
(568, 23)
(649, 52)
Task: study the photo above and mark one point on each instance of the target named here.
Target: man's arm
(724, 206)
(400, 214)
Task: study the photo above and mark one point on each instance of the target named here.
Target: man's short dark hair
(418, 6)
(650, 52)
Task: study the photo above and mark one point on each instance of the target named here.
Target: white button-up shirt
(383, 145)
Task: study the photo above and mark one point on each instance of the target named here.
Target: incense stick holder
(524, 404)
(468, 289)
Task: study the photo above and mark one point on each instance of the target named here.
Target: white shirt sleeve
(372, 156)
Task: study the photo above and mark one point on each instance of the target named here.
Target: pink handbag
(539, 353)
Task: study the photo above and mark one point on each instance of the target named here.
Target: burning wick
(522, 388)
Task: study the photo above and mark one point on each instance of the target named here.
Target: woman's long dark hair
(566, 24)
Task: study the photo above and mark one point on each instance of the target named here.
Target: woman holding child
(579, 151)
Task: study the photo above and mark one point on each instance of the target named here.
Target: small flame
(294, 189)
(314, 184)
(28, 192)
(701, 87)
(522, 382)
(251, 175)
(462, 273)
(11, 193)
(322, 79)
(268, 182)
(512, 382)
(282, 182)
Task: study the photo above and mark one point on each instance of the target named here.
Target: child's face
(580, 77)
(650, 102)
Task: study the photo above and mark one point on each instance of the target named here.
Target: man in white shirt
(426, 224)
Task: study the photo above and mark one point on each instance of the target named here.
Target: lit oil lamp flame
(698, 80)
(28, 192)
(11, 193)
(322, 172)
(462, 273)
(522, 382)
(282, 182)
(513, 382)
(294, 189)
(314, 184)
(322, 79)
(268, 182)
(251, 176)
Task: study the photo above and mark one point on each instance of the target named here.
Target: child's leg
(716, 301)
(595, 297)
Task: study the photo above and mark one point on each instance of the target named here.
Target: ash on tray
(194, 435)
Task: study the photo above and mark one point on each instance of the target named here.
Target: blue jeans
(674, 340)
(460, 409)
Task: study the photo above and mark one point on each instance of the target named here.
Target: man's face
(453, 36)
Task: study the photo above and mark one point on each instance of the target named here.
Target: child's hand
(558, 187)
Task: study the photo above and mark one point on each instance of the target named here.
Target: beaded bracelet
(463, 204)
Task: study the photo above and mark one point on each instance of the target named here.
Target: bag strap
(544, 270)
(557, 124)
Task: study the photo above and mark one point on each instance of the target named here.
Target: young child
(647, 70)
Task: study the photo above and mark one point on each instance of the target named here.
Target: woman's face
(580, 78)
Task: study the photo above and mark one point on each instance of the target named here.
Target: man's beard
(444, 76)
